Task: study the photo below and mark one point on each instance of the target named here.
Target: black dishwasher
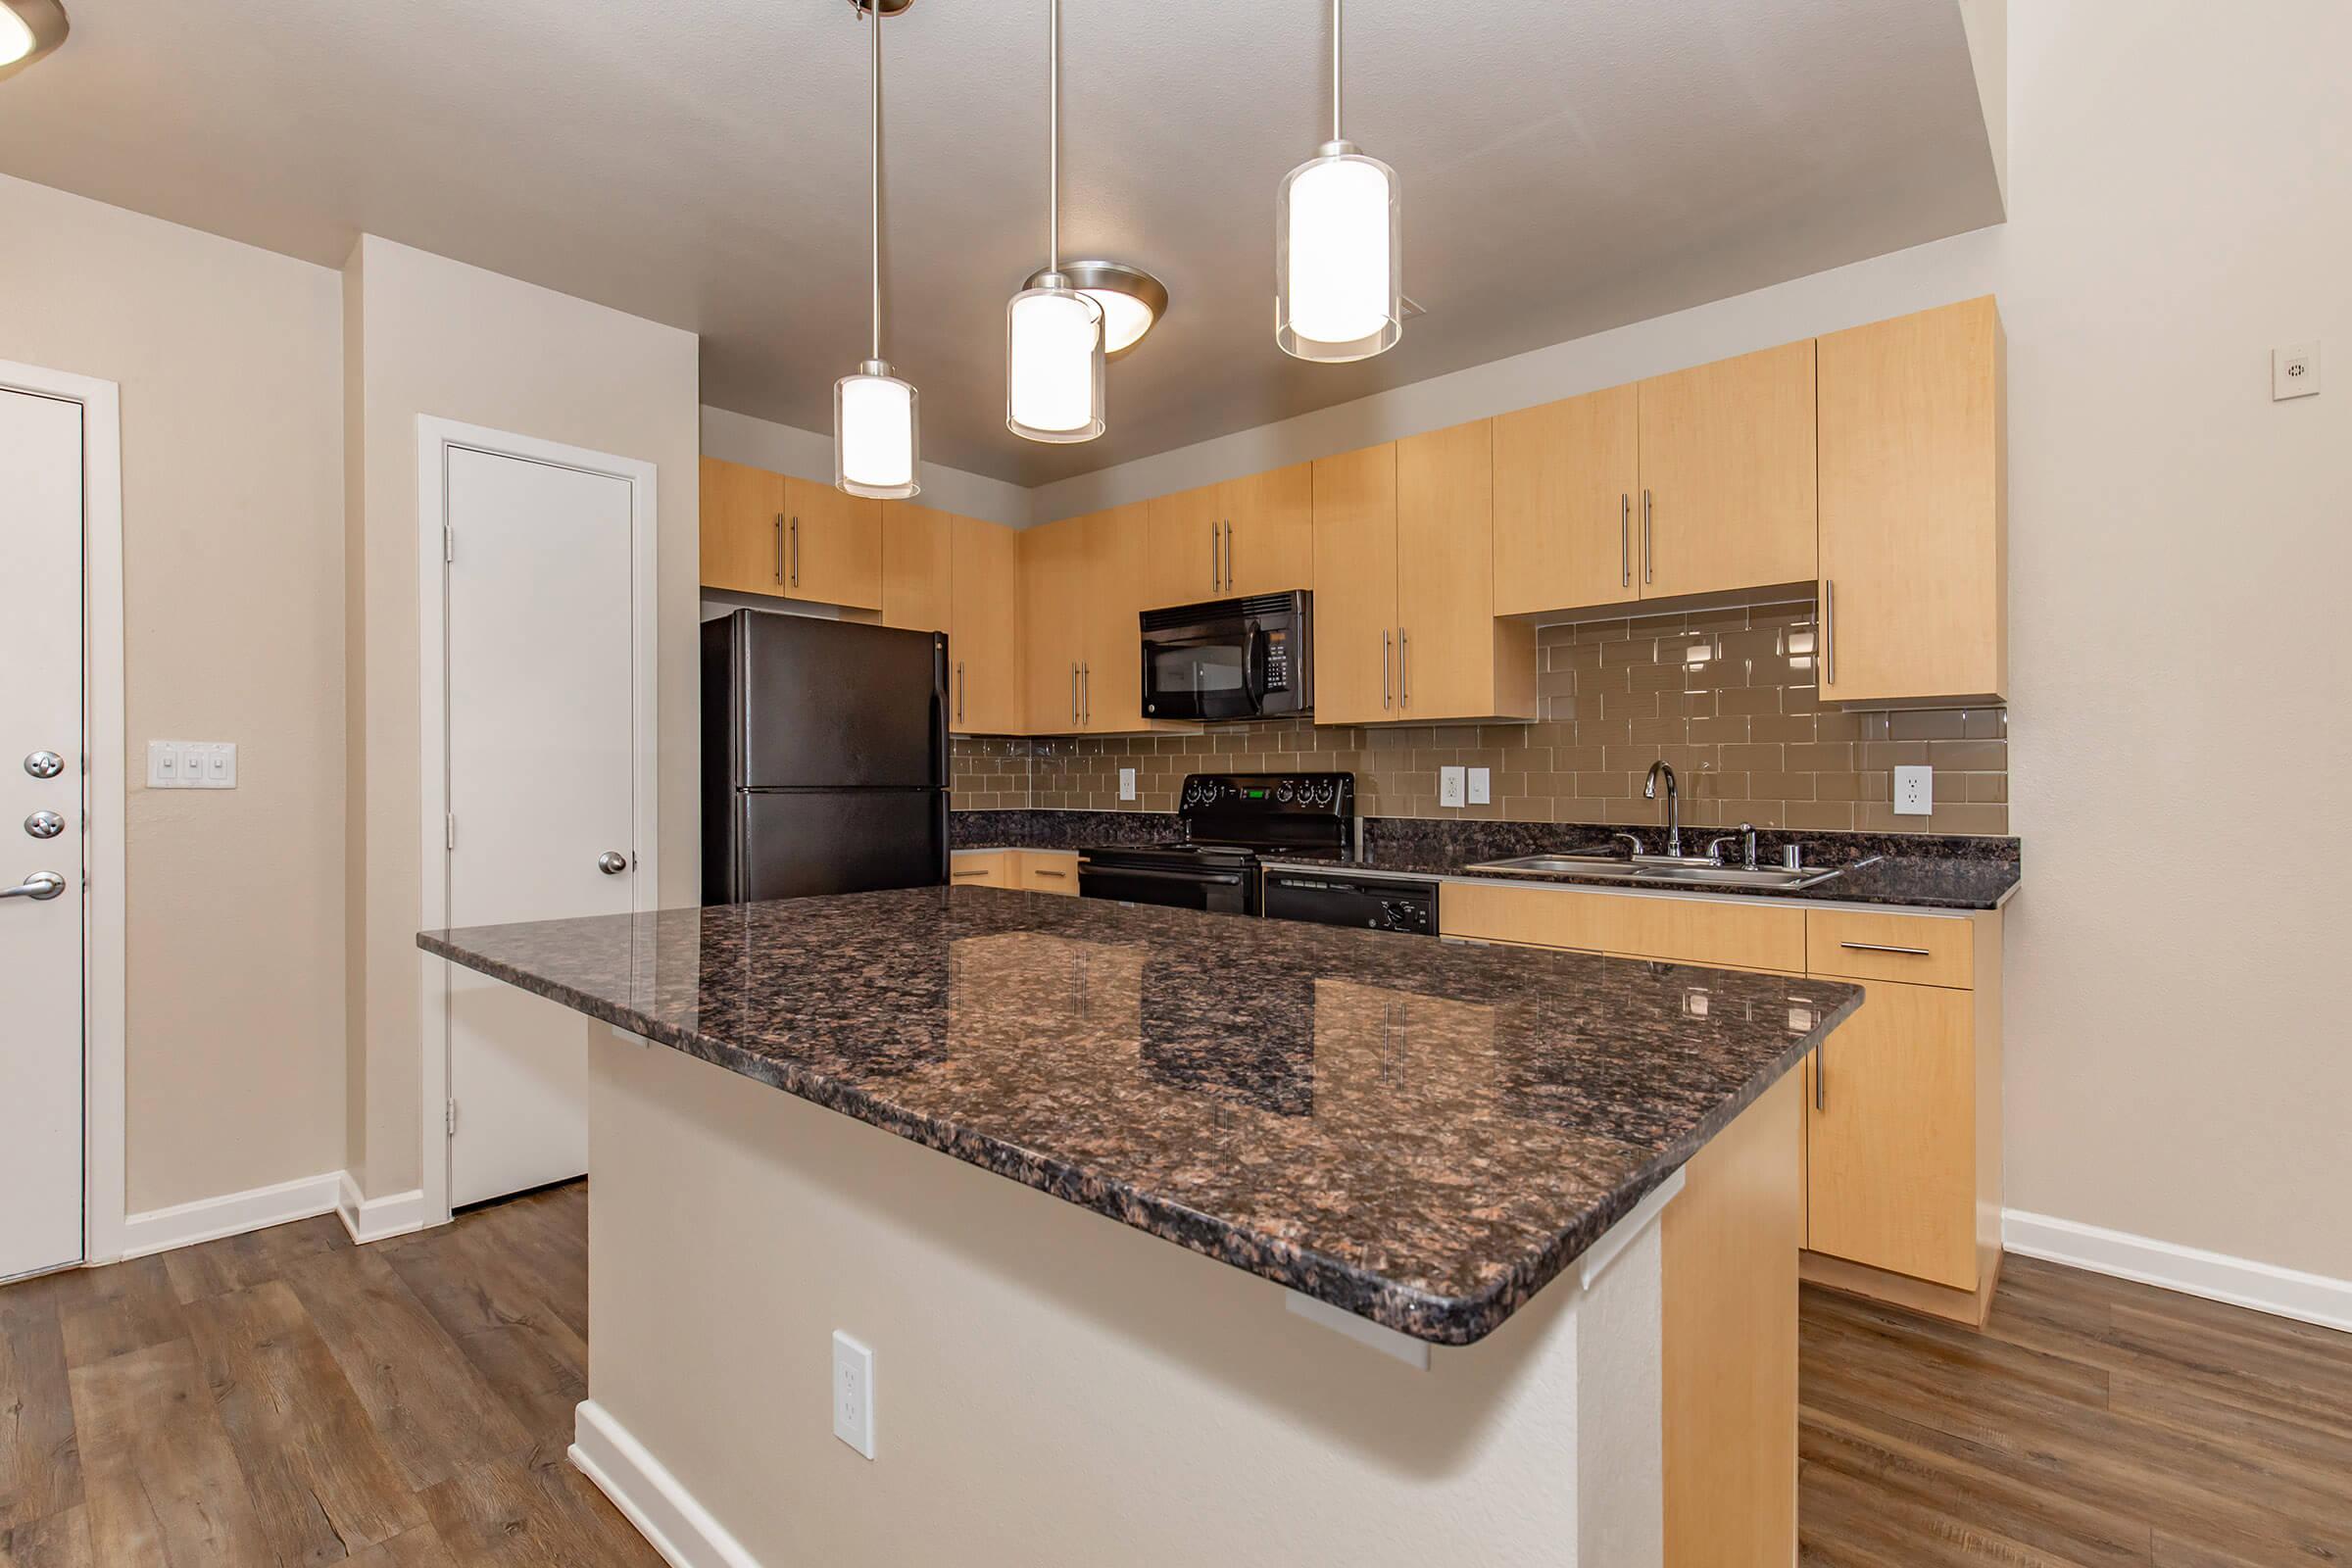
(1363, 900)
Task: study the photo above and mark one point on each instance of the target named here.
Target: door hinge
(449, 1118)
(449, 543)
(448, 831)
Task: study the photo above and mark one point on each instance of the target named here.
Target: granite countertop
(1420, 1133)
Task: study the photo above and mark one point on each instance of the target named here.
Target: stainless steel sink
(1682, 872)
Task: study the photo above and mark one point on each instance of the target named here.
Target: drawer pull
(1042, 871)
(966, 876)
(1885, 946)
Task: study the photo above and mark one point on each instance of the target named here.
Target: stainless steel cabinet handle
(1039, 871)
(1073, 691)
(1387, 686)
(1821, 1076)
(966, 876)
(1625, 539)
(1229, 576)
(779, 546)
(1829, 631)
(795, 552)
(1650, 558)
(1086, 694)
(40, 887)
(1216, 572)
(1404, 669)
(1885, 946)
(959, 691)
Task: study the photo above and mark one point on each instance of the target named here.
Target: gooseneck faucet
(1674, 804)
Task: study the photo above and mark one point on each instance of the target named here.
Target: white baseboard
(663, 1511)
(378, 1219)
(207, 1219)
(2216, 1276)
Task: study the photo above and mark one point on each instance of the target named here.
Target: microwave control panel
(1278, 660)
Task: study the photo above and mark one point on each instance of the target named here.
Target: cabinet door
(743, 527)
(1110, 688)
(982, 868)
(832, 545)
(1269, 531)
(984, 638)
(1914, 509)
(917, 566)
(1567, 483)
(1355, 606)
(1053, 623)
(1445, 572)
(1188, 548)
(1049, 872)
(1726, 465)
(1891, 1142)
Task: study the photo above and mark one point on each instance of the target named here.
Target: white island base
(1051, 1386)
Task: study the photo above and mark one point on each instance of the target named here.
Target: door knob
(44, 764)
(611, 863)
(44, 824)
(41, 885)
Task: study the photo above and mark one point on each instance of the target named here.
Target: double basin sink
(1680, 870)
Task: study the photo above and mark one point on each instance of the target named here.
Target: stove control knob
(1284, 790)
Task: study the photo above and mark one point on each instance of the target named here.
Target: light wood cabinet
(984, 633)
(917, 567)
(1054, 624)
(832, 545)
(1404, 619)
(1252, 535)
(1681, 930)
(1050, 871)
(1567, 485)
(1914, 507)
(1727, 485)
(742, 527)
(982, 868)
(1111, 669)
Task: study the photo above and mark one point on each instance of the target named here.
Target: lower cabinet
(1035, 870)
(1050, 871)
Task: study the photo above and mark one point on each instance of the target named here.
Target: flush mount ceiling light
(874, 413)
(1337, 251)
(28, 30)
(1133, 300)
(1054, 332)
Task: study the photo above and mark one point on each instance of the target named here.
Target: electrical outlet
(1449, 786)
(2294, 372)
(1914, 792)
(1126, 783)
(854, 1393)
(1481, 791)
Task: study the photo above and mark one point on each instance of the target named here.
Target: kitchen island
(1419, 1144)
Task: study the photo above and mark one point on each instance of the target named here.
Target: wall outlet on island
(1126, 783)
(854, 1393)
(1449, 786)
(1914, 792)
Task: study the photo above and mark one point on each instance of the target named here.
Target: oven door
(1205, 674)
(1222, 890)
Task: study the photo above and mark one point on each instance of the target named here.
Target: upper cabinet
(763, 533)
(1403, 548)
(984, 633)
(1254, 535)
(917, 568)
(1914, 509)
(1567, 485)
(1082, 590)
(1053, 622)
(1727, 475)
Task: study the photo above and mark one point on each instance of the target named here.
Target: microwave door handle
(1254, 673)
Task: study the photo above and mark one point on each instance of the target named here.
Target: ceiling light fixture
(874, 412)
(28, 30)
(1052, 331)
(1133, 300)
(1337, 248)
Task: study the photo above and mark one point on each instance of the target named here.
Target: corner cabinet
(1405, 607)
(1914, 509)
(765, 533)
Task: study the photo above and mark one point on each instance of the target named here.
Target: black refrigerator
(824, 758)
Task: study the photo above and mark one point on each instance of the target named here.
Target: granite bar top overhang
(1420, 1133)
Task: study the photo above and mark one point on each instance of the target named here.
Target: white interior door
(542, 769)
(41, 817)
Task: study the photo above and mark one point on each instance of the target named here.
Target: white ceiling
(1567, 166)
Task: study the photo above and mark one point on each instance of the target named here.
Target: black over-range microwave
(1231, 659)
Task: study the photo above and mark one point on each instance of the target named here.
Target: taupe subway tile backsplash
(1728, 697)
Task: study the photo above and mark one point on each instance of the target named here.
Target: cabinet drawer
(1920, 949)
(1680, 930)
(986, 868)
(1050, 871)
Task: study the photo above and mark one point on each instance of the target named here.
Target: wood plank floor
(287, 1399)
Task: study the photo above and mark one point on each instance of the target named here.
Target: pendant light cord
(1335, 70)
(873, 162)
(1054, 123)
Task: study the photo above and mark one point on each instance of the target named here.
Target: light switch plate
(1449, 786)
(1480, 789)
(191, 764)
(1914, 792)
(1126, 783)
(854, 1393)
(2294, 372)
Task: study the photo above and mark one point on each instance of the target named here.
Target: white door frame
(102, 856)
(435, 437)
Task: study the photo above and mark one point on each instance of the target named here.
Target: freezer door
(796, 844)
(835, 704)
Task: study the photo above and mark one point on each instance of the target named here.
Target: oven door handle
(1226, 879)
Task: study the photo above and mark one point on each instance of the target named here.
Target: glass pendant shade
(1339, 291)
(874, 434)
(15, 37)
(1053, 363)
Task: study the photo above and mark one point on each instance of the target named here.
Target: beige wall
(2179, 205)
(437, 337)
(229, 363)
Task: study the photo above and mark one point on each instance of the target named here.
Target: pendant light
(874, 412)
(1052, 330)
(1339, 290)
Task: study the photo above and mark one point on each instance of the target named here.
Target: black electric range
(1229, 819)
